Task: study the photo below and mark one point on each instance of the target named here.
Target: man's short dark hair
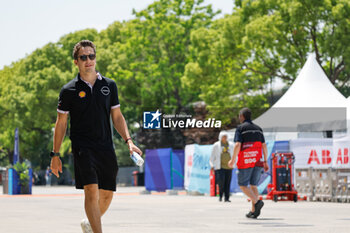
(246, 113)
(79, 45)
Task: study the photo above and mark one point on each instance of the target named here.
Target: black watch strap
(52, 154)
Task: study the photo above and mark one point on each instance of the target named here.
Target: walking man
(48, 176)
(249, 143)
(220, 155)
(90, 100)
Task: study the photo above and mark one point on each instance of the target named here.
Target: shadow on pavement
(264, 222)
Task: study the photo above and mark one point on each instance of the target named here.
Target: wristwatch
(126, 140)
(53, 154)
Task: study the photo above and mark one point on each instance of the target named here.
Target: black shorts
(95, 167)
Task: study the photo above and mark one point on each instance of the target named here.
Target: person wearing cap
(221, 153)
(249, 146)
(90, 100)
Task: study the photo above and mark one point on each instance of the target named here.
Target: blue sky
(27, 25)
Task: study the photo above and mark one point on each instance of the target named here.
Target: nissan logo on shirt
(105, 90)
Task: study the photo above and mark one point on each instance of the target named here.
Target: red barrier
(134, 176)
(212, 183)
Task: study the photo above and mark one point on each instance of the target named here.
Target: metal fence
(323, 184)
(305, 184)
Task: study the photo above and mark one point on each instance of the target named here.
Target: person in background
(48, 176)
(220, 156)
(249, 143)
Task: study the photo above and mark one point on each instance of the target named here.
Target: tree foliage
(264, 40)
(151, 55)
(283, 33)
(146, 56)
(174, 53)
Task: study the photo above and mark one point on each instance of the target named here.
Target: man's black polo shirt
(249, 132)
(89, 110)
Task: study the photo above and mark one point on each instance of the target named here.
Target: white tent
(348, 114)
(311, 104)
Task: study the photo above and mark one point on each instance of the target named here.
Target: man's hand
(231, 163)
(56, 166)
(266, 167)
(133, 148)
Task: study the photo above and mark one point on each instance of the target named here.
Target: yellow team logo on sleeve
(82, 94)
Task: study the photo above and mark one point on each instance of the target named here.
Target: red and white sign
(316, 153)
(341, 148)
(249, 154)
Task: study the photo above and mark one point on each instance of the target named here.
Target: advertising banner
(341, 147)
(199, 178)
(157, 169)
(311, 152)
(189, 150)
(177, 169)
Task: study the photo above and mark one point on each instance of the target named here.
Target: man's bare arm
(266, 166)
(59, 133)
(122, 128)
(236, 150)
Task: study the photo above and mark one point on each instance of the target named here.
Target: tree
(261, 41)
(216, 74)
(282, 33)
(150, 60)
(152, 54)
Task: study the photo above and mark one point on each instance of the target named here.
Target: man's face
(224, 139)
(241, 118)
(88, 65)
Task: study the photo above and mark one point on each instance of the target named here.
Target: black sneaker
(250, 215)
(227, 200)
(258, 205)
(220, 198)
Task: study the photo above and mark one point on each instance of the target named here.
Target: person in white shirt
(222, 153)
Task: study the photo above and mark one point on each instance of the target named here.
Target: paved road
(60, 209)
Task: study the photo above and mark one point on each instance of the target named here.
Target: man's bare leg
(256, 193)
(92, 208)
(105, 199)
(249, 192)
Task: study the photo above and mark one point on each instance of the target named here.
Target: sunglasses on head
(90, 56)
